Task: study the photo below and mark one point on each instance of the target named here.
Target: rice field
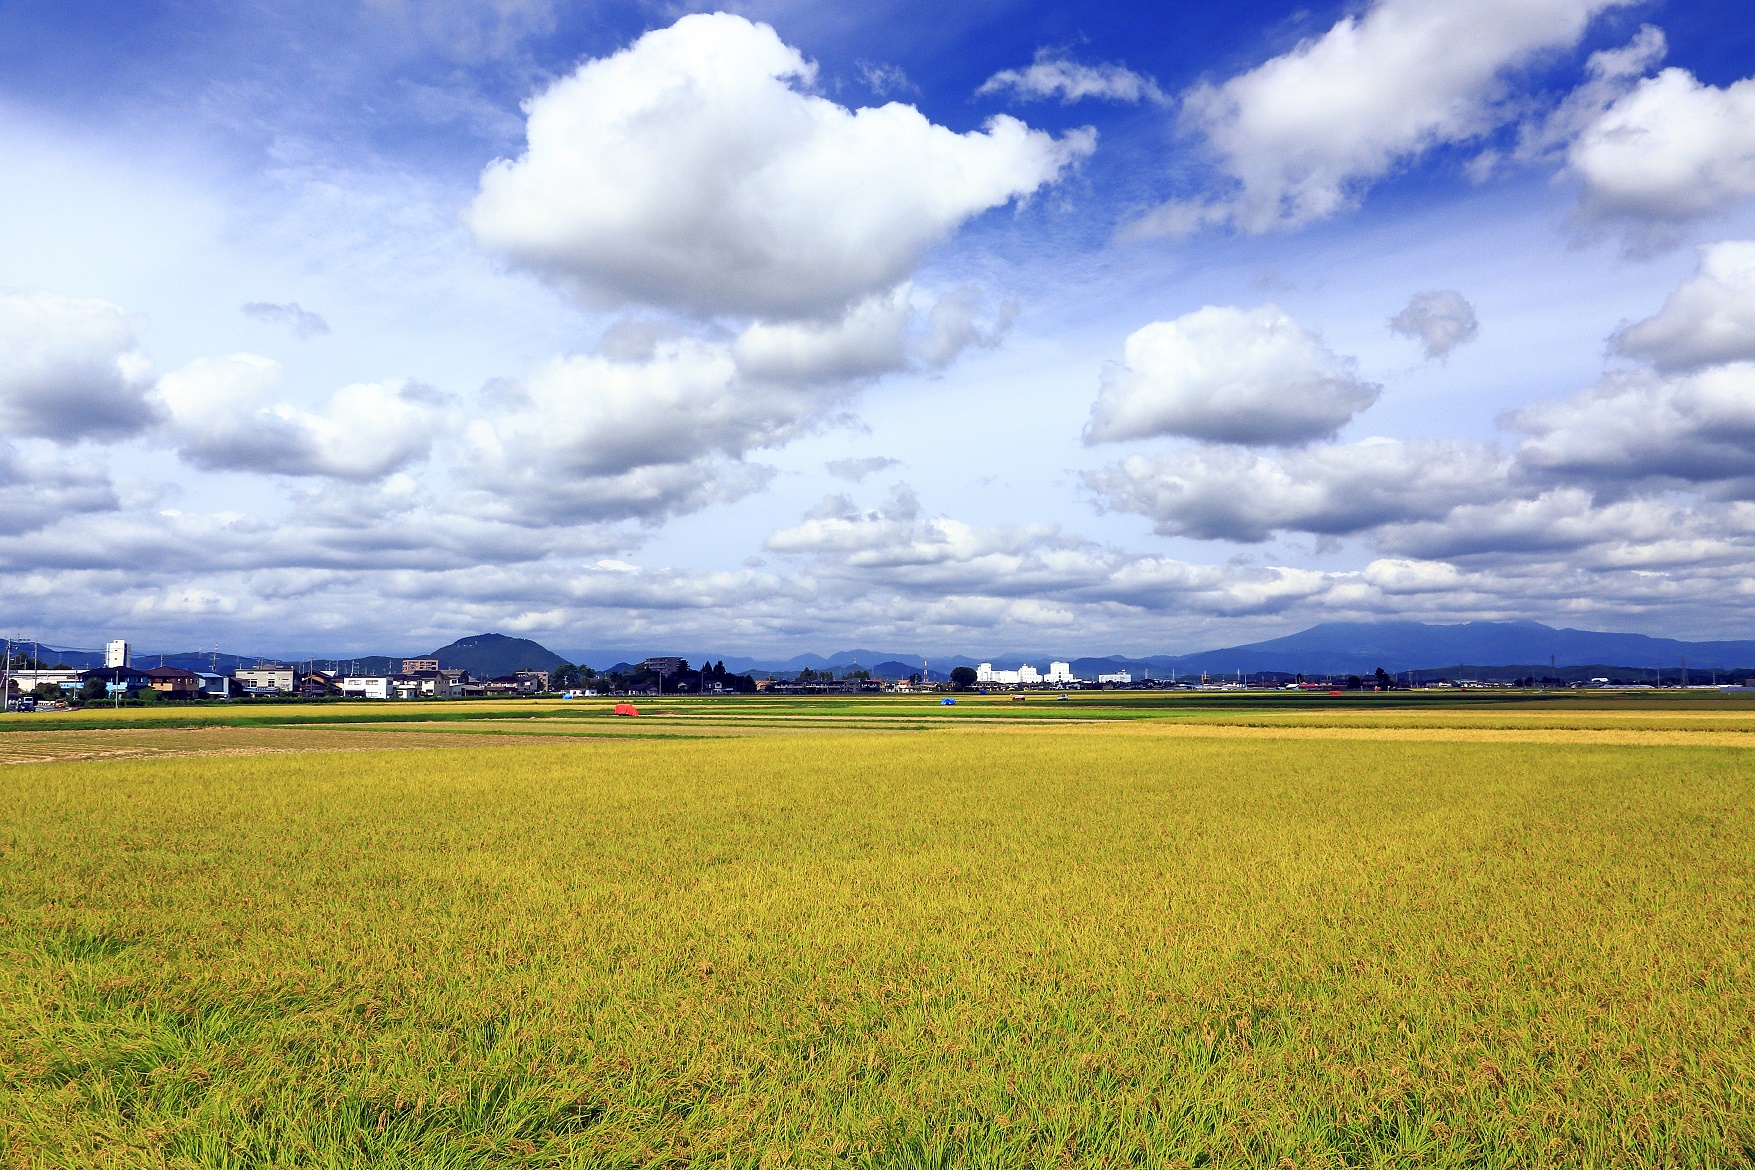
(1120, 931)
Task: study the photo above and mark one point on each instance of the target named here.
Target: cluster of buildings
(1059, 674)
(419, 678)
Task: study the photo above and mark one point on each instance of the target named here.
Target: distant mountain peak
(492, 655)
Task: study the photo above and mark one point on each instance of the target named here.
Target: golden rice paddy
(880, 934)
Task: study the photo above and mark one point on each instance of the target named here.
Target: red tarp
(626, 709)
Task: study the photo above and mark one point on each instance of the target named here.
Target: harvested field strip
(220, 740)
(42, 747)
(1628, 737)
(1576, 721)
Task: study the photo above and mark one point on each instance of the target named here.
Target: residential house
(214, 686)
(174, 682)
(368, 687)
(119, 681)
(435, 685)
(266, 680)
(316, 685)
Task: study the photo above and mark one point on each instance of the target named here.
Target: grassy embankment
(983, 944)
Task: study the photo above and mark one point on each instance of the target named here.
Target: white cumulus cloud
(1696, 428)
(1670, 151)
(694, 171)
(600, 438)
(871, 339)
(70, 368)
(1223, 493)
(1302, 136)
(1708, 320)
(228, 414)
(1228, 375)
(38, 489)
(1439, 321)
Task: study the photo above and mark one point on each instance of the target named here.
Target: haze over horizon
(801, 327)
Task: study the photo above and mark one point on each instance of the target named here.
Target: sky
(982, 327)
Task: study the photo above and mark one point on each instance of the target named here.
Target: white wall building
(1120, 676)
(1060, 672)
(30, 680)
(368, 688)
(266, 678)
(1025, 675)
(117, 653)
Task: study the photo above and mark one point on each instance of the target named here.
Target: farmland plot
(982, 943)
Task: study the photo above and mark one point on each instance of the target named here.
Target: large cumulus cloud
(71, 368)
(1226, 493)
(1708, 320)
(600, 438)
(694, 171)
(1669, 151)
(1228, 375)
(229, 414)
(1301, 136)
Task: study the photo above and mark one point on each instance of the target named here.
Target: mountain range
(1492, 649)
(1329, 648)
(482, 655)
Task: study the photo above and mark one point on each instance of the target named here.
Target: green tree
(963, 677)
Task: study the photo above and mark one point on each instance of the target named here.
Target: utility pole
(1684, 672)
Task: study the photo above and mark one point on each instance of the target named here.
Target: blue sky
(955, 328)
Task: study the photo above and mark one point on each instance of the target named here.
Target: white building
(428, 684)
(1120, 676)
(1023, 676)
(214, 686)
(267, 678)
(1060, 672)
(368, 688)
(30, 680)
(117, 653)
(1001, 678)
